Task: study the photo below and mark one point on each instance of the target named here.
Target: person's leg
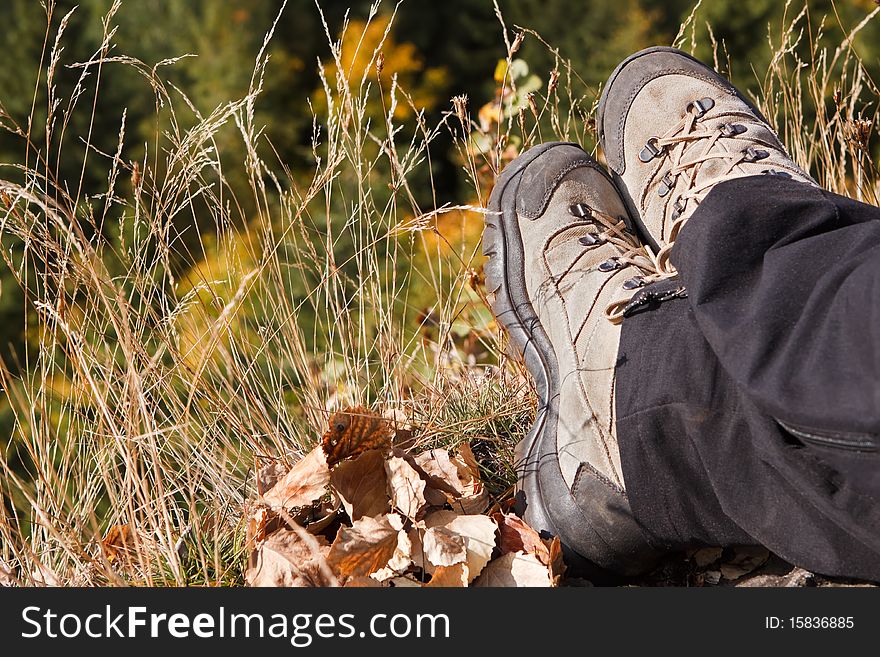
(784, 280)
(760, 395)
(749, 412)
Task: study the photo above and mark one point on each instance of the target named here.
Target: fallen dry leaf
(7, 575)
(556, 565)
(712, 577)
(118, 541)
(477, 531)
(284, 559)
(440, 472)
(256, 527)
(516, 536)
(456, 477)
(367, 546)
(455, 576)
(268, 476)
(407, 488)
(798, 577)
(442, 546)
(745, 560)
(362, 485)
(400, 560)
(352, 432)
(320, 515)
(305, 483)
(469, 466)
(473, 496)
(363, 583)
(404, 582)
(515, 570)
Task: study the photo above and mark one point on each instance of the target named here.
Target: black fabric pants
(749, 412)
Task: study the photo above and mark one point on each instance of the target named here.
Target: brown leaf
(362, 485)
(352, 432)
(400, 560)
(440, 471)
(473, 497)
(404, 582)
(401, 426)
(305, 483)
(556, 565)
(118, 541)
(367, 546)
(318, 517)
(268, 476)
(477, 531)
(256, 527)
(360, 582)
(517, 536)
(515, 569)
(712, 577)
(798, 577)
(457, 477)
(745, 560)
(7, 575)
(468, 469)
(406, 487)
(442, 546)
(455, 576)
(284, 559)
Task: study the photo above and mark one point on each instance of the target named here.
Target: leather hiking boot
(671, 129)
(562, 267)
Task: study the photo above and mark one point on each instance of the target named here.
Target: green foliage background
(447, 48)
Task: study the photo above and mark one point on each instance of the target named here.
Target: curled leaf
(268, 476)
(515, 570)
(478, 533)
(367, 546)
(444, 547)
(455, 576)
(354, 431)
(406, 487)
(118, 542)
(362, 485)
(305, 483)
(285, 559)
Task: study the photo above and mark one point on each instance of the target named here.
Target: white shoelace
(674, 144)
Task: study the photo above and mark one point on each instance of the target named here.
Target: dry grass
(153, 389)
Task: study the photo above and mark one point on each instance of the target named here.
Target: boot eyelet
(591, 240)
(666, 185)
(701, 106)
(753, 154)
(651, 150)
(732, 129)
(580, 210)
(776, 173)
(678, 207)
(609, 265)
(634, 283)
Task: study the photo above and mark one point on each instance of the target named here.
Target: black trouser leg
(750, 412)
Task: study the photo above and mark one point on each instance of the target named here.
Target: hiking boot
(671, 129)
(562, 267)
